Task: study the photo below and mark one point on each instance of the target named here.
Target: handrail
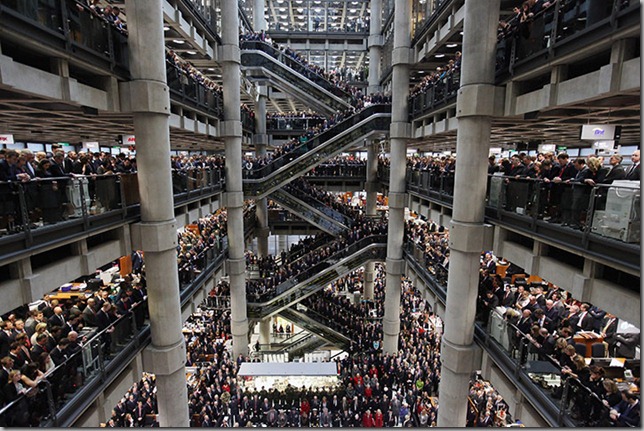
(319, 140)
(299, 67)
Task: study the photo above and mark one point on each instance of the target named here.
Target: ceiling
(59, 122)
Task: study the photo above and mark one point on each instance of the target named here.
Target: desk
(588, 338)
(74, 292)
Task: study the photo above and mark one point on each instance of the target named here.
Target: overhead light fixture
(439, 55)
(452, 45)
(166, 28)
(211, 69)
(178, 41)
(191, 52)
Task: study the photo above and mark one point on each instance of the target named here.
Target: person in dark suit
(586, 322)
(614, 171)
(59, 353)
(633, 172)
(608, 331)
(627, 412)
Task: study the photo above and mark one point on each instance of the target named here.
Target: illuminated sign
(6, 139)
(599, 132)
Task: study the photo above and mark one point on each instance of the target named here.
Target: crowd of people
(360, 322)
(562, 186)
(109, 13)
(298, 269)
(340, 166)
(543, 321)
(444, 78)
(374, 390)
(308, 193)
(41, 347)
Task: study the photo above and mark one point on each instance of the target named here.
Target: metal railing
(316, 150)
(29, 210)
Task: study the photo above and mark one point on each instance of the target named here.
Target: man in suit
(57, 319)
(59, 354)
(608, 331)
(633, 173)
(89, 313)
(585, 321)
(614, 171)
(627, 412)
(6, 337)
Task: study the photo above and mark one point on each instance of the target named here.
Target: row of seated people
(375, 390)
(544, 323)
(43, 347)
(251, 163)
(340, 166)
(262, 290)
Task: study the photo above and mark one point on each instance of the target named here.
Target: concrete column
(234, 196)
(260, 140)
(259, 19)
(475, 105)
(372, 193)
(399, 132)
(156, 235)
(265, 332)
(375, 46)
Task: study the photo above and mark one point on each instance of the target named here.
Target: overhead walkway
(371, 121)
(262, 62)
(313, 211)
(368, 249)
(318, 325)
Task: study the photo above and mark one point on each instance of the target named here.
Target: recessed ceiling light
(452, 45)
(180, 42)
(439, 55)
(211, 69)
(191, 52)
(166, 28)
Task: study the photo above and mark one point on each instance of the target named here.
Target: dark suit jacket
(629, 414)
(634, 174)
(607, 177)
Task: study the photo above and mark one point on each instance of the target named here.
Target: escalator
(306, 211)
(318, 325)
(303, 191)
(367, 124)
(262, 62)
(307, 343)
(306, 283)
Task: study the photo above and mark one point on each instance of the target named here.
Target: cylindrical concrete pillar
(265, 332)
(375, 45)
(372, 194)
(400, 131)
(259, 19)
(474, 109)
(261, 140)
(234, 196)
(151, 111)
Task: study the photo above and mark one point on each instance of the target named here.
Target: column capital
(477, 100)
(401, 55)
(229, 53)
(376, 40)
(230, 129)
(164, 360)
(399, 130)
(147, 96)
(233, 199)
(457, 358)
(260, 139)
(467, 237)
(154, 236)
(236, 266)
(395, 267)
(397, 200)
